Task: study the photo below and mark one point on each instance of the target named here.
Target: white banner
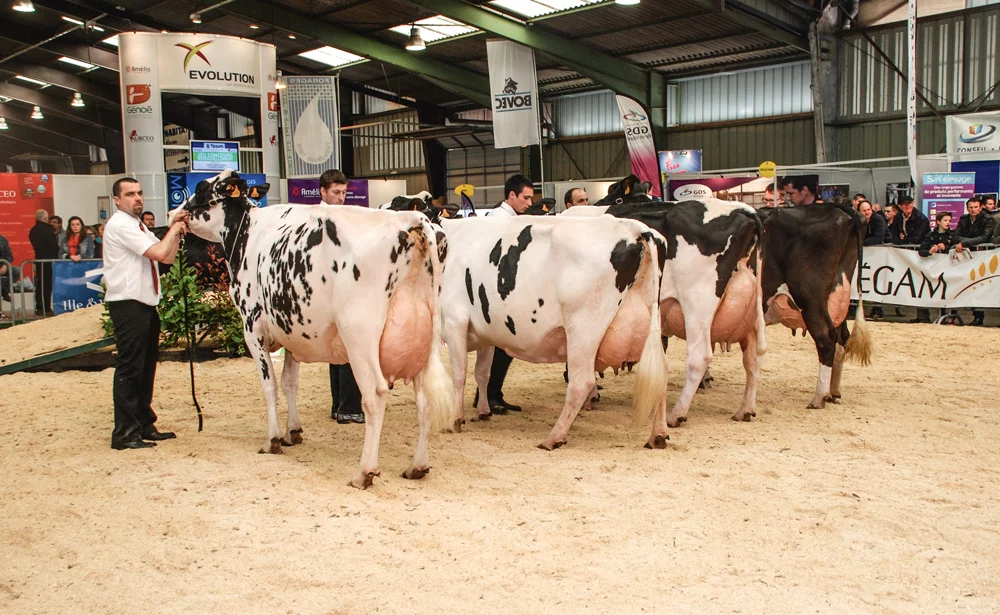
(911, 100)
(639, 137)
(973, 133)
(142, 112)
(209, 64)
(902, 277)
(269, 118)
(515, 94)
(310, 123)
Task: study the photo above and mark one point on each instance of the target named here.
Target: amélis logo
(978, 133)
(511, 99)
(137, 69)
(135, 137)
(194, 50)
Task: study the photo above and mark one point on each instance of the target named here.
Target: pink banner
(641, 148)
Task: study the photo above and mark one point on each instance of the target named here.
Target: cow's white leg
(822, 387)
(374, 393)
(290, 385)
(751, 364)
(838, 370)
(484, 360)
(699, 356)
(421, 457)
(255, 344)
(581, 380)
(458, 353)
(658, 438)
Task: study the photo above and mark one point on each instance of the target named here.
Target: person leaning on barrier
(941, 239)
(974, 228)
(131, 252)
(7, 269)
(45, 243)
(910, 225)
(876, 228)
(76, 244)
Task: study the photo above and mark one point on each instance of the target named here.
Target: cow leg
(290, 385)
(458, 353)
(421, 464)
(658, 438)
(484, 361)
(374, 393)
(751, 364)
(824, 333)
(255, 344)
(699, 356)
(843, 334)
(581, 381)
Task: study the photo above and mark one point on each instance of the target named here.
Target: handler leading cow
(331, 285)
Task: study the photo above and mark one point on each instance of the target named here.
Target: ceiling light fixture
(415, 43)
(3, 123)
(627, 2)
(254, 26)
(195, 18)
(78, 100)
(24, 6)
(71, 20)
(36, 113)
(291, 36)
(30, 80)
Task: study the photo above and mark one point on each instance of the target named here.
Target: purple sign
(306, 192)
(947, 192)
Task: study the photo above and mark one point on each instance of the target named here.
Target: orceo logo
(137, 94)
(978, 133)
(273, 140)
(194, 50)
(8, 194)
(135, 137)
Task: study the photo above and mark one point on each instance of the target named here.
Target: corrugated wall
(586, 159)
(593, 113)
(377, 154)
(888, 138)
(482, 166)
(785, 142)
(771, 91)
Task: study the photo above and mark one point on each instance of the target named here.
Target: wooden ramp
(59, 355)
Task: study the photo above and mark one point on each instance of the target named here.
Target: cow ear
(646, 187)
(258, 191)
(233, 190)
(628, 188)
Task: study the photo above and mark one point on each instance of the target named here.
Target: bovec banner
(639, 137)
(310, 114)
(515, 88)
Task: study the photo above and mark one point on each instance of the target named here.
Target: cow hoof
(744, 416)
(676, 422)
(834, 399)
(457, 425)
(551, 446)
(415, 473)
(813, 406)
(485, 417)
(364, 481)
(657, 442)
(296, 436)
(273, 449)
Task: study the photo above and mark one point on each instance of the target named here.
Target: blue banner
(69, 285)
(180, 186)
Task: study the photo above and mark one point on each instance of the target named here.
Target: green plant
(228, 324)
(180, 289)
(106, 324)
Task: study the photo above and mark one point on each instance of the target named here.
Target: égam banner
(902, 277)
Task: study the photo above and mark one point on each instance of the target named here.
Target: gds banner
(514, 86)
(903, 277)
(310, 123)
(639, 137)
(973, 133)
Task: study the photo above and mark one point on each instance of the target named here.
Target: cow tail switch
(859, 345)
(651, 371)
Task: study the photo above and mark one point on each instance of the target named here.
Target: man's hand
(75, 258)
(958, 247)
(942, 247)
(181, 217)
(934, 249)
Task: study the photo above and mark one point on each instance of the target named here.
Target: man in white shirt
(131, 252)
(519, 191)
(346, 406)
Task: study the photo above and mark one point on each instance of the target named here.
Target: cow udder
(625, 337)
(405, 346)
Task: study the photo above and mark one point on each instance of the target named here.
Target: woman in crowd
(98, 230)
(76, 244)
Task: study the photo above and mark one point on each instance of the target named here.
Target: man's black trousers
(344, 390)
(137, 328)
(498, 373)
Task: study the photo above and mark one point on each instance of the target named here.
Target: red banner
(21, 194)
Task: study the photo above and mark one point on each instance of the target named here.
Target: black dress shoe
(976, 322)
(152, 434)
(344, 418)
(497, 408)
(500, 403)
(136, 443)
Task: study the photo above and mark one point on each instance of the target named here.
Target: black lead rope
(190, 336)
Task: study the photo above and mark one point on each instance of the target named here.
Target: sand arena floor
(886, 503)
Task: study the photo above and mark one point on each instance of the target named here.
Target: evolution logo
(510, 99)
(135, 137)
(135, 95)
(194, 51)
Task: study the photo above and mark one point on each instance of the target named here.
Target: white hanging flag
(639, 137)
(310, 118)
(514, 87)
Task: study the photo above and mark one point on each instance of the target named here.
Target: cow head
(545, 207)
(629, 190)
(422, 203)
(218, 205)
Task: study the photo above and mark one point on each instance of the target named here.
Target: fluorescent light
(24, 6)
(3, 123)
(195, 18)
(254, 26)
(30, 80)
(36, 113)
(291, 36)
(95, 27)
(331, 56)
(76, 62)
(71, 20)
(531, 8)
(78, 100)
(627, 2)
(435, 28)
(111, 40)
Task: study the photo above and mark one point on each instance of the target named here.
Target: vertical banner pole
(911, 106)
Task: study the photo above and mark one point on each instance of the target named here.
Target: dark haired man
(148, 218)
(856, 200)
(908, 228)
(131, 252)
(974, 228)
(346, 397)
(801, 190)
(575, 197)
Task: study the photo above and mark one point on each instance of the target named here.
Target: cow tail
(434, 380)
(651, 371)
(859, 345)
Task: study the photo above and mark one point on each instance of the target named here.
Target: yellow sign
(465, 189)
(766, 169)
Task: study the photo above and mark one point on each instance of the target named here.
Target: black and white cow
(810, 256)
(332, 285)
(549, 290)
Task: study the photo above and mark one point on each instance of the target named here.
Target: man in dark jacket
(910, 225)
(45, 243)
(876, 229)
(974, 228)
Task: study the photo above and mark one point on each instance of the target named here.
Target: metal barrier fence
(41, 275)
(7, 288)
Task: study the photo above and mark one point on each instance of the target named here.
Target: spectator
(98, 240)
(876, 229)
(45, 243)
(75, 244)
(990, 205)
(575, 196)
(995, 237)
(769, 200)
(941, 239)
(973, 229)
(7, 269)
(909, 227)
(149, 219)
(856, 200)
(801, 190)
(57, 226)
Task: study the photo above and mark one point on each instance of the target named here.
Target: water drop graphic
(313, 139)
